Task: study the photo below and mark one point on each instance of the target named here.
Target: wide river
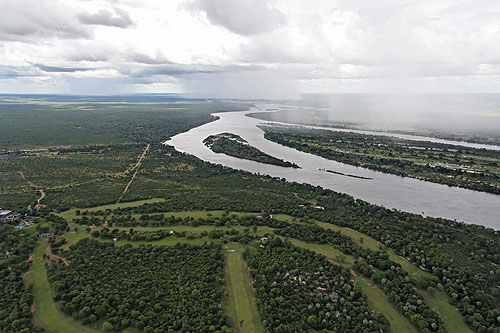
(388, 190)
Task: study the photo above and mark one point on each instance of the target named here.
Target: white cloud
(233, 47)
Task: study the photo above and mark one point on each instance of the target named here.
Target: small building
(8, 215)
(45, 235)
(263, 239)
(319, 207)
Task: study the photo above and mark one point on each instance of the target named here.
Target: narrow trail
(53, 257)
(42, 193)
(38, 204)
(136, 167)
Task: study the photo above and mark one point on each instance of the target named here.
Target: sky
(249, 48)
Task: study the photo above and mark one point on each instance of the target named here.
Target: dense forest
(300, 290)
(476, 169)
(233, 145)
(391, 278)
(151, 288)
(16, 300)
(73, 147)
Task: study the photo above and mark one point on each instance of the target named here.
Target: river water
(388, 190)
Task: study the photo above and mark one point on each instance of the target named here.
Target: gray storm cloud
(120, 18)
(245, 17)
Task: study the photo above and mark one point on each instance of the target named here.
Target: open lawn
(242, 308)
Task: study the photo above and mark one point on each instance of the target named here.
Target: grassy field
(453, 320)
(241, 306)
(197, 214)
(373, 244)
(377, 300)
(47, 315)
(72, 212)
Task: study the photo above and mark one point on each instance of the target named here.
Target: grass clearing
(377, 300)
(452, 318)
(242, 308)
(72, 212)
(47, 314)
(374, 245)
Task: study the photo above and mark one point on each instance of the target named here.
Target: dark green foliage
(43, 122)
(396, 283)
(16, 299)
(233, 145)
(468, 254)
(79, 146)
(471, 168)
(299, 290)
(164, 288)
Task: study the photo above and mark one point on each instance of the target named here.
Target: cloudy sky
(249, 48)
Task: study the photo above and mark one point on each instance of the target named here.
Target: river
(391, 191)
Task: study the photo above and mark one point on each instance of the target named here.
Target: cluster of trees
(212, 187)
(464, 258)
(396, 283)
(477, 169)
(233, 145)
(150, 288)
(16, 299)
(299, 290)
(123, 217)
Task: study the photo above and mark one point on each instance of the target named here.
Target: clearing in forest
(242, 307)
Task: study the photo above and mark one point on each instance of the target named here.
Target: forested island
(233, 145)
(133, 236)
(471, 168)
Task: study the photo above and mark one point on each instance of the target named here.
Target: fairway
(47, 315)
(452, 318)
(242, 308)
(377, 300)
(72, 212)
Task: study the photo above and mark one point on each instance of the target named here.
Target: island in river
(234, 145)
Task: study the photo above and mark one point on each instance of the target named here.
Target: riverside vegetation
(476, 169)
(400, 263)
